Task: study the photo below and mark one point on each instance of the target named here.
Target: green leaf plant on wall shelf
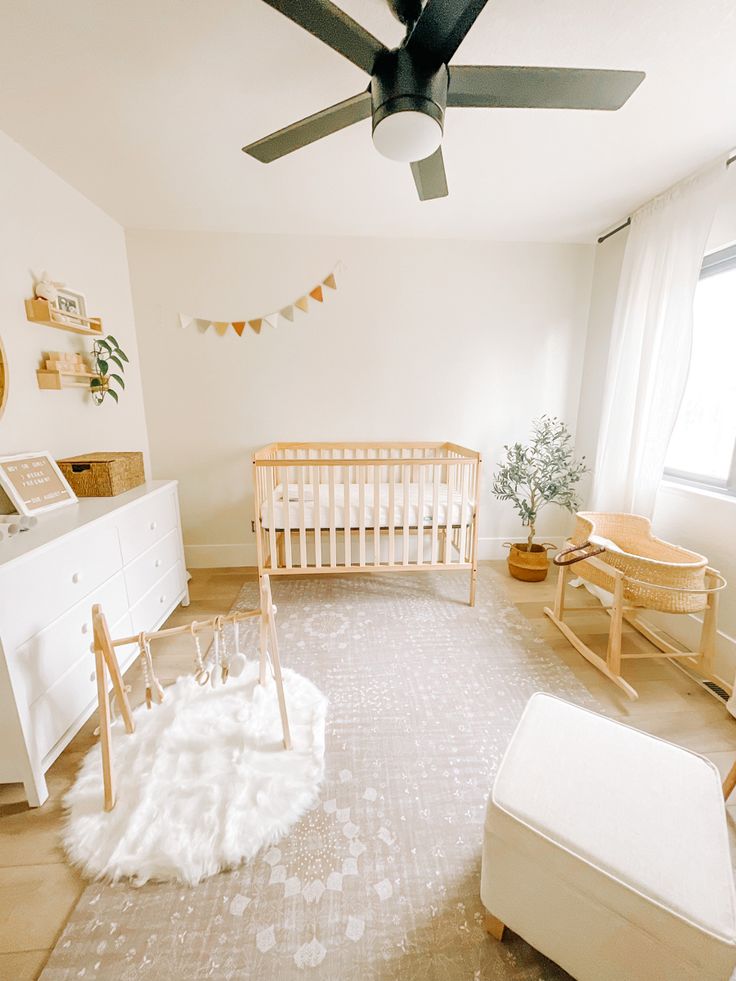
(531, 477)
(108, 363)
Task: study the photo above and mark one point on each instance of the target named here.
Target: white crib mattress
(417, 515)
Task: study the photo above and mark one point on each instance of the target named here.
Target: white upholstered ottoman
(607, 850)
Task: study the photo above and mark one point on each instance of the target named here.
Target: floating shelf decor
(64, 370)
(42, 312)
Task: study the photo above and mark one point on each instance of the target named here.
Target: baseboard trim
(230, 556)
(220, 556)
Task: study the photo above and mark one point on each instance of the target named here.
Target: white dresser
(123, 552)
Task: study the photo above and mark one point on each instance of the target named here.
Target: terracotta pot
(529, 566)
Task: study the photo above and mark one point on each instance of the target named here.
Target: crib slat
(273, 560)
(448, 512)
(464, 476)
(362, 477)
(317, 518)
(347, 545)
(420, 517)
(302, 522)
(436, 473)
(391, 516)
(406, 473)
(376, 514)
(287, 518)
(333, 540)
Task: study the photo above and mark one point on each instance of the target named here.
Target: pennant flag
(316, 293)
(220, 326)
(302, 303)
(203, 325)
(272, 320)
(239, 327)
(256, 324)
(287, 313)
(184, 320)
(330, 281)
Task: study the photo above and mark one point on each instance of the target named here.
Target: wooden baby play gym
(220, 666)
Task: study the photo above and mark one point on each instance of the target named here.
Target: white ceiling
(144, 105)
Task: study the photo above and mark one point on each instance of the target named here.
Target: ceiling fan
(412, 85)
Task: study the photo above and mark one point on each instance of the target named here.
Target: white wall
(422, 340)
(46, 225)
(701, 520)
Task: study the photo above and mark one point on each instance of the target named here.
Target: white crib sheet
(417, 515)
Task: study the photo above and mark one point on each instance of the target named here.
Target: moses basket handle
(561, 560)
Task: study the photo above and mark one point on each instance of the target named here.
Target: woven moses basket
(646, 561)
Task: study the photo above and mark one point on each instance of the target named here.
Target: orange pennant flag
(316, 293)
(256, 324)
(220, 326)
(239, 327)
(302, 303)
(330, 281)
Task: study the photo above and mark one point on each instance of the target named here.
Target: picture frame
(70, 304)
(34, 484)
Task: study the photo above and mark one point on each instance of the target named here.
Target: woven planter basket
(103, 474)
(644, 558)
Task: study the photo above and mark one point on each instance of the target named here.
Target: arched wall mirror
(3, 378)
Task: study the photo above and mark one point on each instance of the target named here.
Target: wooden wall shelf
(55, 380)
(41, 312)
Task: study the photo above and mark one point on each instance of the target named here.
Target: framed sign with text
(34, 484)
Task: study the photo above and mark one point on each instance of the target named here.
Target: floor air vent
(716, 689)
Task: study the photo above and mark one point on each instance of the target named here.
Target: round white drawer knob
(77, 577)
(85, 628)
(152, 526)
(157, 563)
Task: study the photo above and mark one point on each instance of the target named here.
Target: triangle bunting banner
(272, 319)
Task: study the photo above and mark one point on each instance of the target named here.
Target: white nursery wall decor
(316, 293)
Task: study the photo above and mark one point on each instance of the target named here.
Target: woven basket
(643, 558)
(103, 474)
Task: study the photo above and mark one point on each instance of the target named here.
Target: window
(703, 444)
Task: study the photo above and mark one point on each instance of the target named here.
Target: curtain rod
(625, 224)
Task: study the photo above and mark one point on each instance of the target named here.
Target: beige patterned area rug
(379, 882)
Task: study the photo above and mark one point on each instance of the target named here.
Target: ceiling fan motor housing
(399, 84)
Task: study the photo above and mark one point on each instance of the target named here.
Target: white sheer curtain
(650, 341)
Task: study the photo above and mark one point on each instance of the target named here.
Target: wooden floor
(38, 890)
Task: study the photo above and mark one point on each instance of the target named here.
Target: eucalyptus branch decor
(106, 355)
(543, 472)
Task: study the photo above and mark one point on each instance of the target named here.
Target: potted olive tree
(531, 477)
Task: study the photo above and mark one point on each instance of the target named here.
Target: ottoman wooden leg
(494, 926)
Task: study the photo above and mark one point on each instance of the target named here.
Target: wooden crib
(366, 507)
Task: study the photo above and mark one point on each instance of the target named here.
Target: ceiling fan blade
(333, 26)
(311, 128)
(429, 176)
(441, 27)
(516, 87)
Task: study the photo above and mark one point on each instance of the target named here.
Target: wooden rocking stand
(620, 612)
(106, 663)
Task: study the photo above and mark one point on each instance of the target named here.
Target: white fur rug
(202, 784)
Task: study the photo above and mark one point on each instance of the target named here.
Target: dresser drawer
(148, 568)
(146, 523)
(42, 660)
(49, 583)
(73, 694)
(159, 600)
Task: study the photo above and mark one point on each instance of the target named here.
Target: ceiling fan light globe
(407, 136)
